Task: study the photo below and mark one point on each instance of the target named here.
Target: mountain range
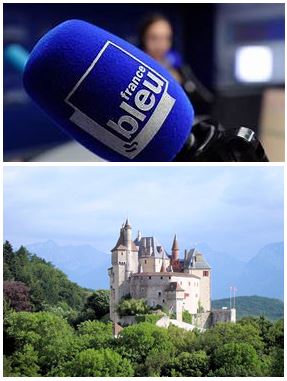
(262, 275)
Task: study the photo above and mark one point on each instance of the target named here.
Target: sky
(235, 210)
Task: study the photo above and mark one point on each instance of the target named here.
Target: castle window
(169, 277)
(122, 253)
(145, 261)
(161, 277)
(163, 300)
(149, 277)
(159, 294)
(205, 273)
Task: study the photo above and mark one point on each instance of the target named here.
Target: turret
(175, 256)
(175, 249)
(124, 263)
(127, 230)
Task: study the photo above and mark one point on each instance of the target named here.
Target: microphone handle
(211, 143)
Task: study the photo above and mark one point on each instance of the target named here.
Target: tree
(8, 254)
(96, 307)
(183, 340)
(25, 362)
(21, 269)
(236, 360)
(195, 364)
(99, 363)
(16, 294)
(48, 285)
(48, 335)
(133, 307)
(223, 333)
(95, 334)
(187, 317)
(276, 334)
(277, 362)
(8, 261)
(99, 303)
(275, 340)
(146, 346)
(262, 325)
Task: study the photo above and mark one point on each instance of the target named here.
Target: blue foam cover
(107, 94)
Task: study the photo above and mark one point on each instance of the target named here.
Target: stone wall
(127, 320)
(209, 319)
(224, 316)
(152, 287)
(201, 321)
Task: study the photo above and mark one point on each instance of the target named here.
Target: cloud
(237, 209)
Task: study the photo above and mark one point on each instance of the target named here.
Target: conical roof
(127, 224)
(175, 244)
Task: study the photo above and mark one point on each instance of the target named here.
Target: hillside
(36, 282)
(272, 309)
(83, 264)
(262, 275)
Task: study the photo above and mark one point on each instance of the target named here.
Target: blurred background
(229, 58)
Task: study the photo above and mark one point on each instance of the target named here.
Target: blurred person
(156, 39)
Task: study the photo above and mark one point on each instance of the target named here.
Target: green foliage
(99, 363)
(149, 318)
(146, 345)
(25, 362)
(95, 334)
(187, 317)
(47, 285)
(224, 333)
(66, 339)
(236, 360)
(47, 336)
(63, 310)
(276, 334)
(194, 364)
(8, 261)
(99, 302)
(183, 340)
(7, 366)
(200, 308)
(132, 307)
(272, 309)
(97, 306)
(277, 362)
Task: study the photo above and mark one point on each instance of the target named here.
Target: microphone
(107, 94)
(121, 104)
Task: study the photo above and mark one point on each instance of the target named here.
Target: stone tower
(124, 264)
(175, 263)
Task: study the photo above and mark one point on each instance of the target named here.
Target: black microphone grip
(209, 142)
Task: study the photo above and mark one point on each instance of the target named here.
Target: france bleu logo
(120, 101)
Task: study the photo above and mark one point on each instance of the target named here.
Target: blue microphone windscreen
(107, 94)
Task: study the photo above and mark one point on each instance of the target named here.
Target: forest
(53, 327)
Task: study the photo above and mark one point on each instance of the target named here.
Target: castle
(143, 269)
